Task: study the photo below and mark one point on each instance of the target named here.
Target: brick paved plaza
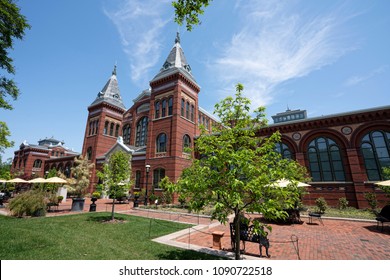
(336, 239)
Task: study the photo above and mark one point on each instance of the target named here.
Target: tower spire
(177, 39)
(114, 71)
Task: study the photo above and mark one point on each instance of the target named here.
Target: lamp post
(147, 167)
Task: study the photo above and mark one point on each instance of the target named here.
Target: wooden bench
(383, 216)
(247, 235)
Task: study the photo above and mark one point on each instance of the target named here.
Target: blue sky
(323, 56)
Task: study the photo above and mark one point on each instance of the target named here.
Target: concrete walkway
(335, 239)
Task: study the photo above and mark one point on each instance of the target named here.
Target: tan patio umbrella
(383, 183)
(55, 180)
(37, 180)
(284, 183)
(17, 180)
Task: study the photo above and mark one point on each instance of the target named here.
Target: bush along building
(344, 153)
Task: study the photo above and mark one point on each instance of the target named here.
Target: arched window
(375, 147)
(182, 107)
(164, 108)
(284, 150)
(112, 129)
(192, 112)
(142, 132)
(325, 162)
(89, 153)
(117, 130)
(37, 163)
(90, 128)
(161, 143)
(158, 175)
(126, 134)
(188, 110)
(96, 127)
(170, 106)
(157, 110)
(105, 132)
(137, 179)
(67, 170)
(186, 143)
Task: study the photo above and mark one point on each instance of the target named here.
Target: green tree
(237, 171)
(189, 11)
(81, 172)
(5, 169)
(116, 177)
(12, 25)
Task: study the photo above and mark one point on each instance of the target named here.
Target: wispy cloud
(359, 79)
(140, 24)
(277, 44)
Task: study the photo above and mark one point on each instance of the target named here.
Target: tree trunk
(237, 234)
(113, 207)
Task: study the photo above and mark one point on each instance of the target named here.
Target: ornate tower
(172, 116)
(104, 123)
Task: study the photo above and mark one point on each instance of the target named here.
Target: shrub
(321, 205)
(96, 194)
(30, 203)
(167, 197)
(371, 199)
(343, 203)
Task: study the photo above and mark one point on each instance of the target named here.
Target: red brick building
(344, 153)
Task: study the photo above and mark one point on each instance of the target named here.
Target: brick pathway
(334, 240)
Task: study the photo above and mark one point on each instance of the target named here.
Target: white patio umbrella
(383, 183)
(17, 180)
(3, 181)
(55, 180)
(37, 180)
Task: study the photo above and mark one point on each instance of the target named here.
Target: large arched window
(375, 147)
(158, 175)
(186, 143)
(126, 134)
(161, 143)
(142, 132)
(325, 162)
(284, 150)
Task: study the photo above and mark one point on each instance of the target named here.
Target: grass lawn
(88, 237)
(349, 212)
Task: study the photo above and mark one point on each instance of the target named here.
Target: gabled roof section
(119, 145)
(175, 62)
(110, 93)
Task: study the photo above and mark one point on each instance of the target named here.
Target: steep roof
(110, 93)
(175, 62)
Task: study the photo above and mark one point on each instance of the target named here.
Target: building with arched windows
(344, 153)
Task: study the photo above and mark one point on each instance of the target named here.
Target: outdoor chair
(383, 216)
(315, 215)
